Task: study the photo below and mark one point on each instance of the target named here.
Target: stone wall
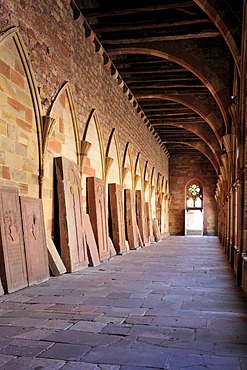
(184, 168)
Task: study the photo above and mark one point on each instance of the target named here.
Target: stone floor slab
(86, 366)
(65, 351)
(126, 356)
(77, 337)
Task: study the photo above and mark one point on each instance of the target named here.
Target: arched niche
(159, 199)
(147, 198)
(153, 193)
(162, 204)
(147, 182)
(159, 183)
(127, 172)
(94, 164)
(61, 138)
(166, 206)
(20, 114)
(138, 178)
(112, 160)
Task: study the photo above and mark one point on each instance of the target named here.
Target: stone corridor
(172, 305)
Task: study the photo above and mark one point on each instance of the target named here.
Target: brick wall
(183, 168)
(58, 53)
(54, 52)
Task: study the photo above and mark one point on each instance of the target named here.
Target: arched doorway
(194, 208)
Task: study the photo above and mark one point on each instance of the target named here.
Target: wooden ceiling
(170, 53)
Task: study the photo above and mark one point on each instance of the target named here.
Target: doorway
(194, 208)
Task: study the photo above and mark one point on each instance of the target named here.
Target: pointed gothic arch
(127, 168)
(112, 159)
(60, 138)
(20, 102)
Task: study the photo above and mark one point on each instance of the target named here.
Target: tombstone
(96, 202)
(130, 219)
(34, 240)
(13, 271)
(92, 249)
(113, 252)
(141, 216)
(55, 262)
(1, 288)
(72, 233)
(156, 230)
(149, 222)
(117, 217)
(140, 241)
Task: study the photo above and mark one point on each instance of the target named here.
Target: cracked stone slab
(87, 366)
(89, 326)
(4, 359)
(77, 337)
(55, 324)
(126, 356)
(65, 351)
(20, 351)
(36, 334)
(28, 363)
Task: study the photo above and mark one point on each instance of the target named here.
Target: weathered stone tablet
(72, 233)
(156, 230)
(141, 216)
(55, 262)
(149, 223)
(117, 217)
(13, 268)
(96, 200)
(93, 254)
(1, 288)
(130, 219)
(34, 240)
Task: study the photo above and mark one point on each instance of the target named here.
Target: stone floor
(173, 305)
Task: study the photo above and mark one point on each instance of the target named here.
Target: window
(194, 195)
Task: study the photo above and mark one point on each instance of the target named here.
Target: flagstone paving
(172, 305)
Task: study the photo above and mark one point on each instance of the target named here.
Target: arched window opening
(194, 196)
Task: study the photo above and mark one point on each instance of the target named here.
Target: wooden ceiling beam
(159, 122)
(159, 79)
(99, 12)
(167, 110)
(174, 114)
(146, 26)
(171, 86)
(179, 92)
(151, 71)
(184, 36)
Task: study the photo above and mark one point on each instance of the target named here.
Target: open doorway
(194, 208)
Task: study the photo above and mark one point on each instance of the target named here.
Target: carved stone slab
(117, 217)
(92, 249)
(96, 201)
(141, 215)
(72, 233)
(55, 262)
(13, 269)
(34, 240)
(112, 249)
(149, 222)
(156, 229)
(130, 219)
(1, 288)
(139, 237)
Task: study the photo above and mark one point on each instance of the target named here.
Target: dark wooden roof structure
(176, 57)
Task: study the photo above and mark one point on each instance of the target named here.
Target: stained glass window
(194, 195)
